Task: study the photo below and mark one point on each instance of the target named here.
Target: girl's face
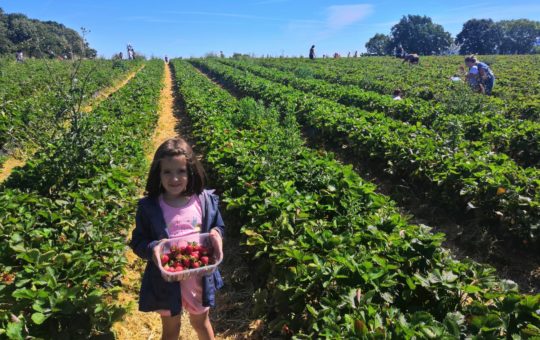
(174, 176)
(469, 64)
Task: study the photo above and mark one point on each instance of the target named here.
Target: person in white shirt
(397, 94)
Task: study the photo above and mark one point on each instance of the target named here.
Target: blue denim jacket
(150, 228)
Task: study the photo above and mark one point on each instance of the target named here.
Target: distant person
(412, 59)
(397, 95)
(312, 52)
(399, 51)
(221, 55)
(19, 56)
(120, 55)
(337, 55)
(356, 54)
(349, 55)
(131, 52)
(473, 79)
(166, 59)
(486, 75)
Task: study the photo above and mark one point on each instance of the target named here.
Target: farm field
(315, 165)
(35, 97)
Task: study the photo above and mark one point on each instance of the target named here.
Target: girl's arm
(142, 242)
(218, 224)
(217, 232)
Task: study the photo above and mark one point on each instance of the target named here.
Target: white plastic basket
(202, 239)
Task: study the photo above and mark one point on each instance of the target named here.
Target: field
(357, 216)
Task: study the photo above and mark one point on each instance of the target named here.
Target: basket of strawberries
(187, 256)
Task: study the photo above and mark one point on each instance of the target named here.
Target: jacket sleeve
(142, 242)
(217, 222)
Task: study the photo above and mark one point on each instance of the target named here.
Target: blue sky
(275, 27)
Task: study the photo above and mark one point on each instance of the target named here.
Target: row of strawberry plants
(460, 177)
(31, 96)
(335, 259)
(64, 218)
(428, 81)
(518, 139)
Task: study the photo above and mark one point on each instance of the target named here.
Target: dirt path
(20, 160)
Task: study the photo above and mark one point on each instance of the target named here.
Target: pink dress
(180, 222)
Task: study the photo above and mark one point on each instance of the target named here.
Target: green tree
(379, 44)
(479, 36)
(40, 39)
(518, 36)
(418, 34)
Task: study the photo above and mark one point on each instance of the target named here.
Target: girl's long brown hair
(170, 148)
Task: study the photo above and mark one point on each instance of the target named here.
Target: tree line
(419, 34)
(40, 39)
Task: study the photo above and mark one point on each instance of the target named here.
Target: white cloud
(341, 16)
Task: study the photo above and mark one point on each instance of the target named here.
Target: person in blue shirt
(486, 75)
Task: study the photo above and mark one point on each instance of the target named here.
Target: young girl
(176, 204)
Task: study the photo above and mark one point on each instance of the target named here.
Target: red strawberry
(196, 264)
(195, 254)
(186, 262)
(189, 249)
(204, 260)
(164, 259)
(179, 268)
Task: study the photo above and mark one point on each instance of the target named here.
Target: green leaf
(471, 289)
(38, 318)
(14, 330)
(410, 283)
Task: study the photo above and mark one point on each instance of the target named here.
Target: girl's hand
(217, 243)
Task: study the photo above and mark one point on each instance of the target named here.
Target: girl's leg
(171, 327)
(201, 324)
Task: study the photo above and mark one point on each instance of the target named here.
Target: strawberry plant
(333, 258)
(33, 104)
(64, 219)
(519, 139)
(461, 175)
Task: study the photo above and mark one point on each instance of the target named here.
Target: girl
(176, 204)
